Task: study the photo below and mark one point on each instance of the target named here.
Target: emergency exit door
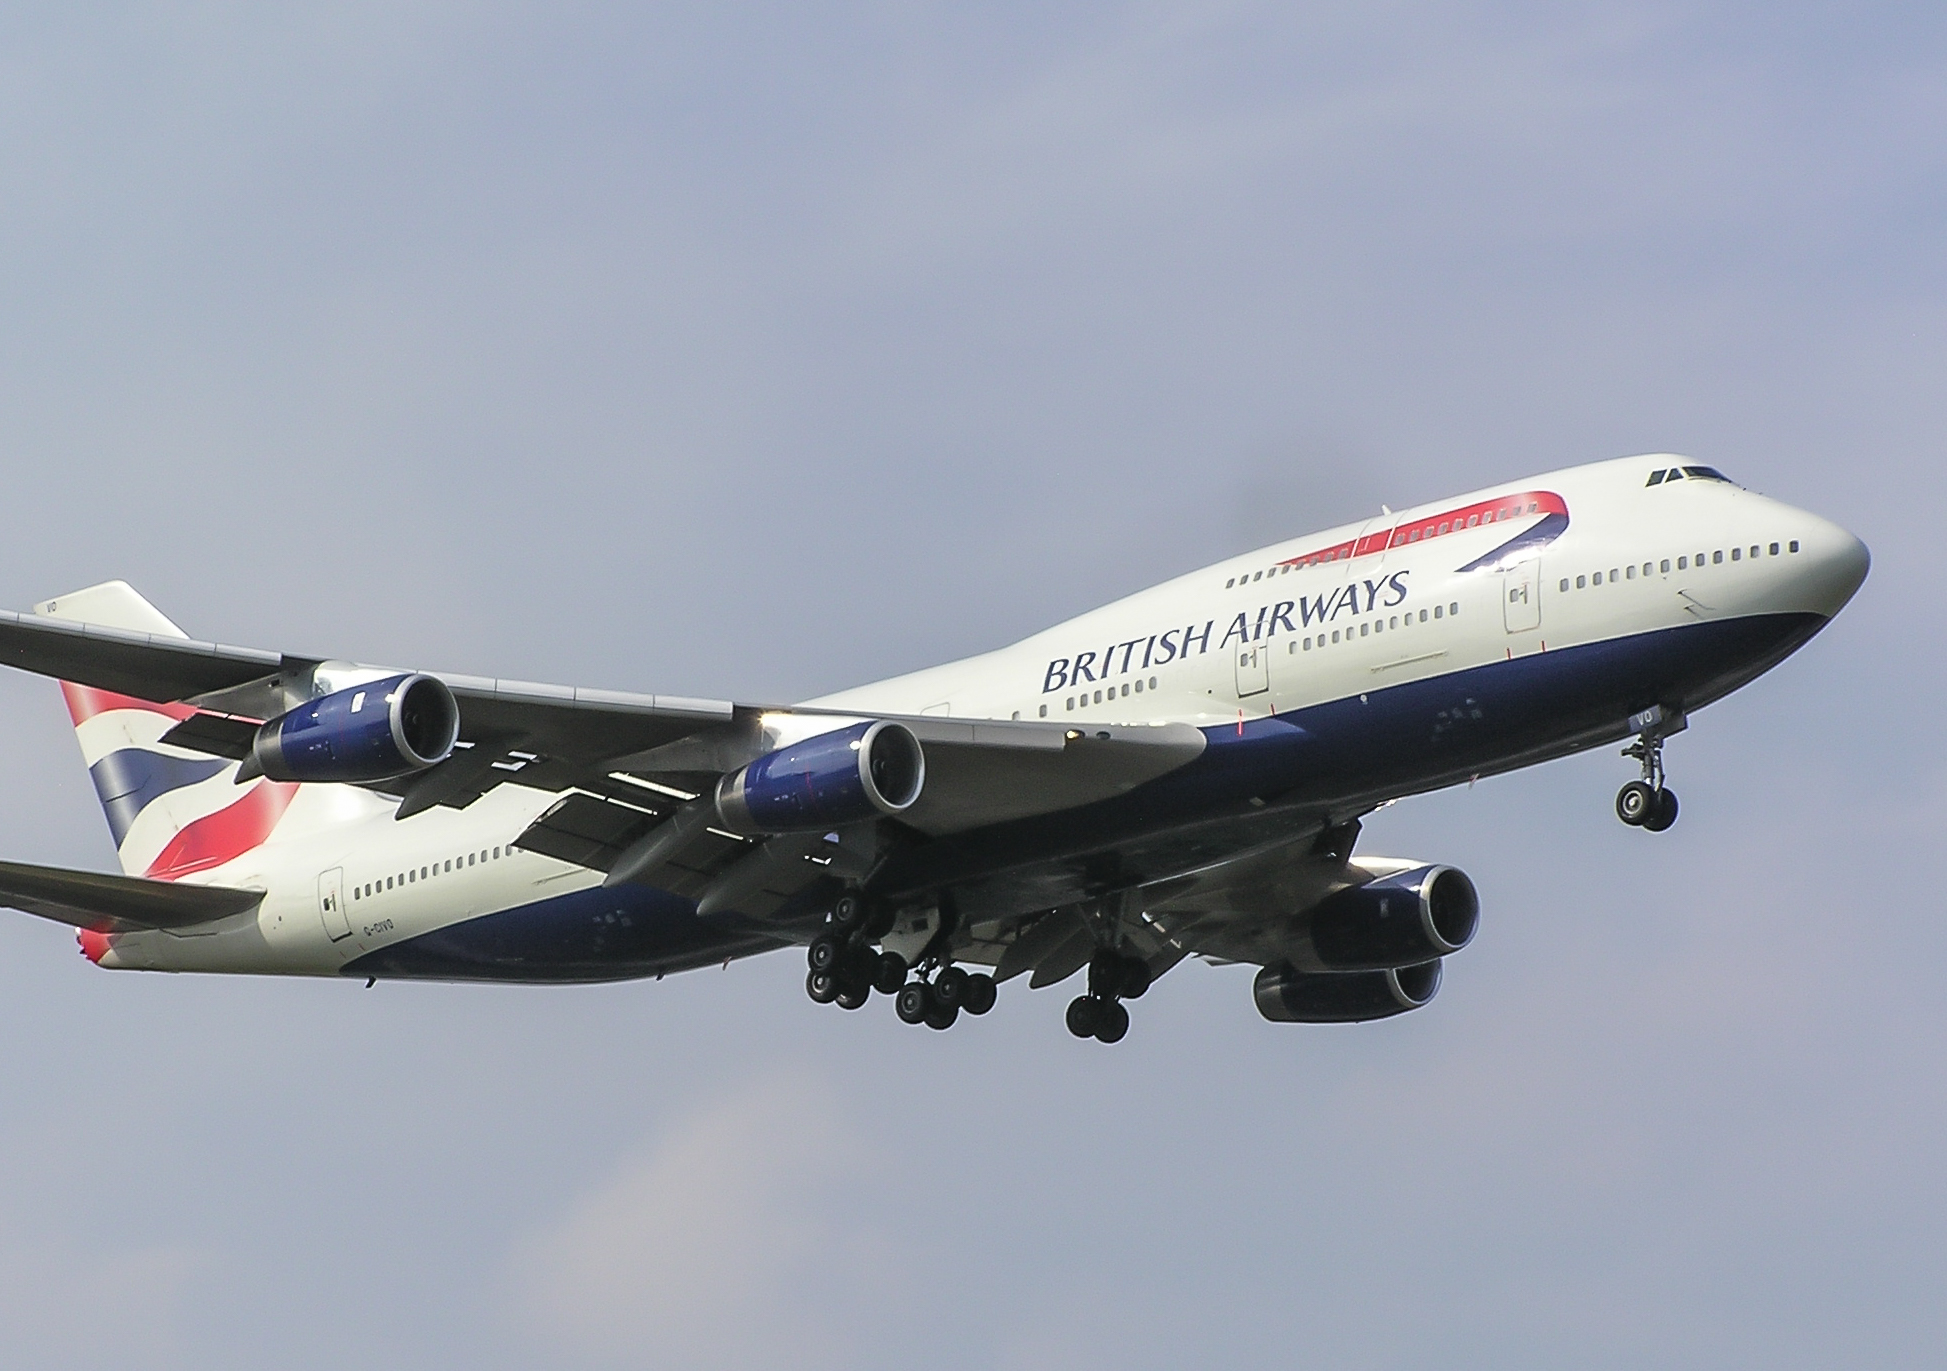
(1253, 669)
(331, 904)
(1521, 597)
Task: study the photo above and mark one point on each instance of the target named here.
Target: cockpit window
(1656, 477)
(1706, 474)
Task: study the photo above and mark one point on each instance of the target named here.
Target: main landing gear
(1648, 803)
(846, 968)
(1112, 978)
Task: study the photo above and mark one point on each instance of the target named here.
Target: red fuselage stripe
(1528, 503)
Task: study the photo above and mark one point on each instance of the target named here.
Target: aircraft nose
(1838, 566)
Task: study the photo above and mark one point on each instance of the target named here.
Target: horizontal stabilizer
(116, 904)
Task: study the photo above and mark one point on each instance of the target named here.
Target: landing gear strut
(1648, 803)
(1112, 978)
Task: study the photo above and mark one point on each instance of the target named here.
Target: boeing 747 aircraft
(1180, 773)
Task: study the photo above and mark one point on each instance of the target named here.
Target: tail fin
(172, 811)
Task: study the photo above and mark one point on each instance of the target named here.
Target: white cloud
(707, 1248)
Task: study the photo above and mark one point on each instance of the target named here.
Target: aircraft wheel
(848, 912)
(950, 986)
(943, 1016)
(891, 973)
(1135, 978)
(980, 994)
(1665, 813)
(1083, 1015)
(825, 953)
(1111, 1022)
(1636, 803)
(853, 996)
(822, 986)
(914, 1002)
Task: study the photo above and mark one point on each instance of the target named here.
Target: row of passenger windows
(1395, 621)
(426, 873)
(1113, 693)
(1628, 573)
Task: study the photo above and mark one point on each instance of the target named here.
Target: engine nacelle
(833, 779)
(1287, 995)
(370, 732)
(1400, 920)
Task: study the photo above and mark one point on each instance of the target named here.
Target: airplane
(1181, 773)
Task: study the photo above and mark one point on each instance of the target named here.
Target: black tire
(891, 973)
(981, 993)
(852, 996)
(1665, 813)
(1083, 1015)
(1111, 1022)
(1105, 973)
(943, 1016)
(914, 1002)
(1636, 804)
(822, 986)
(848, 912)
(1135, 978)
(879, 922)
(825, 953)
(950, 986)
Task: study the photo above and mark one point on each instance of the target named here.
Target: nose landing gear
(1648, 803)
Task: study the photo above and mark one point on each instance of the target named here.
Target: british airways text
(1158, 649)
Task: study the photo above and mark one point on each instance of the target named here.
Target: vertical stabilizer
(172, 811)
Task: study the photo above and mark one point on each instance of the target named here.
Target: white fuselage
(1274, 631)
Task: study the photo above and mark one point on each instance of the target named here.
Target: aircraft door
(1521, 597)
(331, 904)
(1253, 669)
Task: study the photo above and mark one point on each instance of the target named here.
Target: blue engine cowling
(838, 778)
(371, 732)
(1287, 995)
(1400, 920)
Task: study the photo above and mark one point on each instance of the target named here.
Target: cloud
(706, 1249)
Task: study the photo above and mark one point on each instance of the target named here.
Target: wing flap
(117, 904)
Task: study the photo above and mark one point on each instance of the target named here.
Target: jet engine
(1400, 920)
(839, 778)
(369, 732)
(1287, 995)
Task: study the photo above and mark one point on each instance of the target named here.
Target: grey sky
(758, 351)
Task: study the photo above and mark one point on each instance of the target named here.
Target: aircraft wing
(653, 753)
(116, 904)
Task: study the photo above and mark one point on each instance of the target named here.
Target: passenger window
(1125, 691)
(1335, 635)
(1394, 623)
(1581, 582)
(1717, 557)
(1308, 644)
(1754, 550)
(1436, 611)
(1423, 616)
(1596, 579)
(1444, 526)
(1231, 582)
(1683, 564)
(1564, 583)
(1098, 697)
(1737, 554)
(1774, 549)
(1666, 566)
(1794, 545)
(1152, 683)
(1630, 573)
(1258, 577)
(1453, 609)
(1362, 630)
